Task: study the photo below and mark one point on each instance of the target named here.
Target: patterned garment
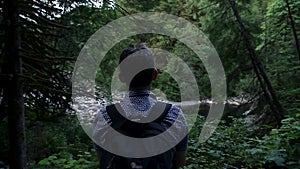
(137, 104)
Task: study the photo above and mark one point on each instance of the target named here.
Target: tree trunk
(13, 89)
(3, 112)
(264, 81)
(293, 27)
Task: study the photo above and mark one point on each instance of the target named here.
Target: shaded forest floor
(63, 144)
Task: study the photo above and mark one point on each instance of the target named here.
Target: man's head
(137, 67)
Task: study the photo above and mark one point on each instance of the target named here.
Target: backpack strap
(159, 106)
(118, 120)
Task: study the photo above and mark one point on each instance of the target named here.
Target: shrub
(232, 147)
(66, 160)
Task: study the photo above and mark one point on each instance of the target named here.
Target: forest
(257, 42)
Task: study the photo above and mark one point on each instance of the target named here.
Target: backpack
(138, 130)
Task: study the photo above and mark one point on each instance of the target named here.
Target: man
(137, 71)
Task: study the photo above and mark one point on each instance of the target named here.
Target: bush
(59, 144)
(281, 148)
(232, 147)
(66, 160)
(63, 144)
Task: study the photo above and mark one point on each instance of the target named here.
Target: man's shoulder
(175, 114)
(102, 115)
(175, 111)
